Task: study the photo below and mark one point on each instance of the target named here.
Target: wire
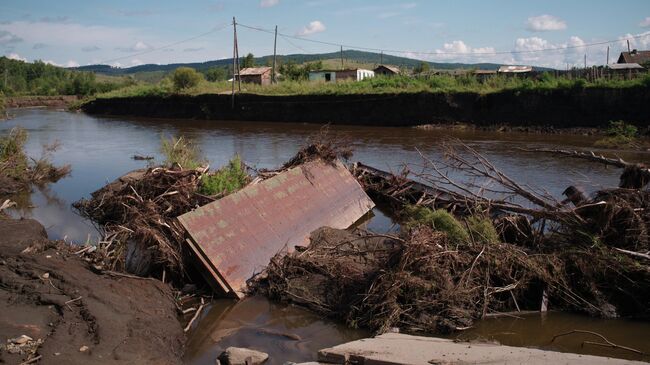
(215, 29)
(444, 53)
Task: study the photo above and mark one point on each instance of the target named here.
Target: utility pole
(234, 52)
(607, 56)
(341, 57)
(275, 42)
(237, 55)
(628, 46)
(585, 60)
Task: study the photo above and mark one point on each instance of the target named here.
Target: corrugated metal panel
(238, 234)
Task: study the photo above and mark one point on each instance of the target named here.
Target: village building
(256, 75)
(356, 74)
(386, 70)
(639, 57)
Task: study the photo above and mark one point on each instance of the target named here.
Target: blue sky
(127, 33)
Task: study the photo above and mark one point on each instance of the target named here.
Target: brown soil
(120, 320)
(59, 101)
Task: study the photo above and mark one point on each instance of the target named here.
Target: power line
(213, 30)
(441, 53)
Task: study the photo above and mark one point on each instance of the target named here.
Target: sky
(129, 33)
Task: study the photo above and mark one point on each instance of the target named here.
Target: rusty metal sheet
(236, 236)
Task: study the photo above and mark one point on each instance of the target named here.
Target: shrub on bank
(228, 179)
(180, 151)
(185, 78)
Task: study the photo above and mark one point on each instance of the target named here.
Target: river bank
(71, 314)
(56, 101)
(565, 108)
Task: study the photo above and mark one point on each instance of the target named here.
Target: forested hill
(350, 56)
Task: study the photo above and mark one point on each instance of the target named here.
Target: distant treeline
(21, 78)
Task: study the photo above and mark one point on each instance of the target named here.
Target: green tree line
(38, 78)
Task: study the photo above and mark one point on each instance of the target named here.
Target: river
(100, 149)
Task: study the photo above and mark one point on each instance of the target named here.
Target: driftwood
(607, 342)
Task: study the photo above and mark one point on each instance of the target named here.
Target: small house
(386, 70)
(640, 57)
(256, 75)
(356, 74)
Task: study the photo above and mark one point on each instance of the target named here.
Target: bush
(440, 220)
(482, 230)
(185, 78)
(13, 161)
(619, 135)
(180, 151)
(228, 179)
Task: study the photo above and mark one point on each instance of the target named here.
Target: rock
(238, 356)
(46, 275)
(83, 349)
(21, 340)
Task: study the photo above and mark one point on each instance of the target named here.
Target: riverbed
(100, 149)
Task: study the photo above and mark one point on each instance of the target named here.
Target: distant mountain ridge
(349, 55)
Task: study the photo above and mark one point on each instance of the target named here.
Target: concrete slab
(401, 349)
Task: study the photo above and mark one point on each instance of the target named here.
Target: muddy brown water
(100, 150)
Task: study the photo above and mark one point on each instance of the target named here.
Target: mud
(51, 295)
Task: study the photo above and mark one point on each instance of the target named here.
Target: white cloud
(69, 34)
(136, 62)
(313, 27)
(645, 23)
(545, 23)
(269, 3)
(638, 41)
(139, 46)
(16, 56)
(72, 63)
(8, 37)
(50, 62)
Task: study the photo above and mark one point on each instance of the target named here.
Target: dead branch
(607, 343)
(590, 156)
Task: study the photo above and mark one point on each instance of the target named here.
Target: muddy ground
(58, 101)
(50, 294)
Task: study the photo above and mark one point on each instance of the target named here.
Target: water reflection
(536, 330)
(285, 332)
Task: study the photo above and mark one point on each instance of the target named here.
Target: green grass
(383, 85)
(13, 161)
(482, 230)
(228, 179)
(440, 220)
(619, 135)
(180, 151)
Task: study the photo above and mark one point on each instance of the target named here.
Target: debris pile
(137, 215)
(589, 254)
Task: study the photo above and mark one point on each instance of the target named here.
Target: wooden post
(275, 42)
(628, 46)
(234, 70)
(341, 57)
(607, 56)
(237, 55)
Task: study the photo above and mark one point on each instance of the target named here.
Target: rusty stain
(238, 234)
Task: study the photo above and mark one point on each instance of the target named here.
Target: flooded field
(100, 150)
